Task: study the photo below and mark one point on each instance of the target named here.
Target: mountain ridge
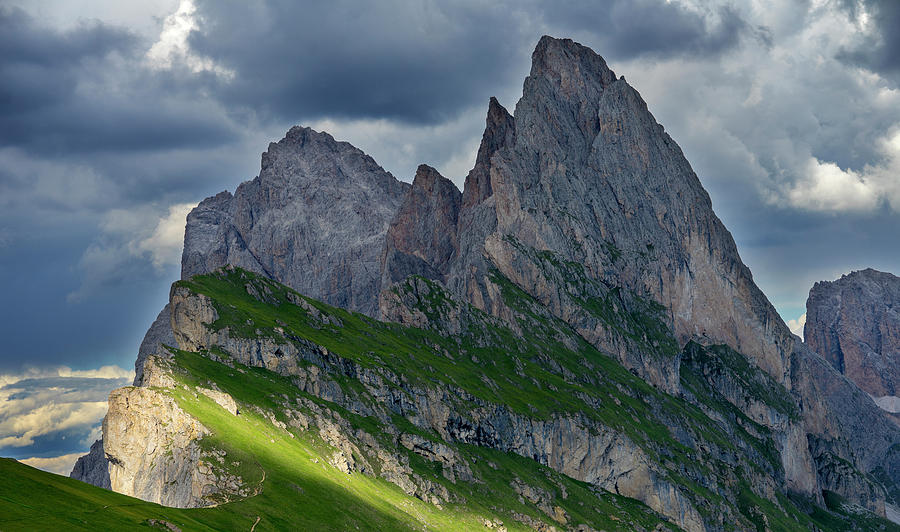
(581, 229)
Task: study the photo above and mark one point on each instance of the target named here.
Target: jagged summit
(314, 219)
(422, 238)
(499, 131)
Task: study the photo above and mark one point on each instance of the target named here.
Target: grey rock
(314, 219)
(844, 426)
(854, 323)
(585, 171)
(158, 335)
(422, 237)
(499, 131)
(93, 467)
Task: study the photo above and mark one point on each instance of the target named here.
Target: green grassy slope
(300, 489)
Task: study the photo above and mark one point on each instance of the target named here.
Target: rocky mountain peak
(590, 176)
(428, 179)
(568, 63)
(314, 219)
(422, 237)
(854, 323)
(499, 131)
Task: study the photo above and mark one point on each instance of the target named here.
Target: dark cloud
(880, 51)
(626, 29)
(413, 61)
(423, 62)
(86, 89)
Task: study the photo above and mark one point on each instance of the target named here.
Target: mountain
(314, 218)
(575, 326)
(854, 323)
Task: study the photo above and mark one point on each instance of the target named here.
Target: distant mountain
(572, 335)
(854, 323)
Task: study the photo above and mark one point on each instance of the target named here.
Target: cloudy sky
(117, 117)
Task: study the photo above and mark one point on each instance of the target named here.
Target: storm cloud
(879, 46)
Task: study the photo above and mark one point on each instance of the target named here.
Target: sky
(117, 117)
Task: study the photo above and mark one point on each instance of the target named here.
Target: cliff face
(854, 323)
(582, 245)
(583, 169)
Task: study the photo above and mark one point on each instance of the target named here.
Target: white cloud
(165, 243)
(173, 48)
(785, 114)
(796, 325)
(61, 465)
(103, 372)
(826, 187)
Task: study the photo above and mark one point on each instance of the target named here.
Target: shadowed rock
(422, 238)
(854, 323)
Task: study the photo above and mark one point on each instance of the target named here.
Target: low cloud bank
(48, 416)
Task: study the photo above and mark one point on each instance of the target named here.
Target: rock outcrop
(422, 237)
(854, 323)
(153, 450)
(93, 467)
(314, 219)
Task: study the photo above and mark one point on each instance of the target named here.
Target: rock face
(159, 335)
(152, 447)
(845, 427)
(315, 219)
(422, 237)
(137, 447)
(583, 169)
(93, 467)
(854, 323)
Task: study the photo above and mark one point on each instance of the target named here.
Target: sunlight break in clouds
(173, 47)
